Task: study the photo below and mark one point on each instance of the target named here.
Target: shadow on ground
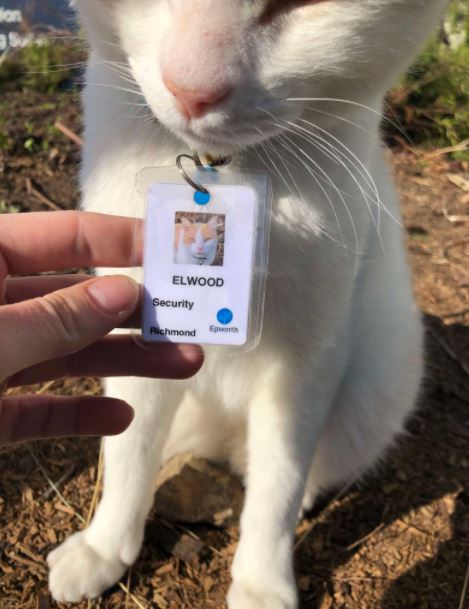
(401, 537)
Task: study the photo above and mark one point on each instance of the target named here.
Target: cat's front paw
(243, 595)
(78, 572)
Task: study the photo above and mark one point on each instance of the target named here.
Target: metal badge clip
(211, 163)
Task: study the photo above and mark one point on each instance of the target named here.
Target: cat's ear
(213, 222)
(185, 222)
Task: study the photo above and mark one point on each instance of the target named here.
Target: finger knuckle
(63, 316)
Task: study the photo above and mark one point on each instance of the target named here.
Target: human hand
(55, 326)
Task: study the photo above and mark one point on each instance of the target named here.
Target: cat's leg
(282, 428)
(370, 411)
(94, 559)
(379, 388)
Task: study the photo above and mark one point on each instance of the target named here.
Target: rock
(26, 464)
(194, 490)
(185, 546)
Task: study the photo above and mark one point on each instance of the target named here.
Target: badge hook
(211, 163)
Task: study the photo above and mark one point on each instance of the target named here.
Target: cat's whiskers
(350, 162)
(270, 146)
(337, 117)
(145, 117)
(325, 175)
(126, 102)
(123, 72)
(115, 46)
(368, 179)
(378, 113)
(122, 76)
(322, 176)
(269, 164)
(60, 67)
(55, 68)
(345, 153)
(119, 66)
(333, 152)
(115, 87)
(142, 110)
(290, 145)
(63, 37)
(323, 229)
(271, 161)
(349, 155)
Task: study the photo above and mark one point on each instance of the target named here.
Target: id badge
(205, 258)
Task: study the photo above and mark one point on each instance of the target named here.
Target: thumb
(63, 322)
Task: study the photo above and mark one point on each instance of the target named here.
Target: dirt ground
(398, 539)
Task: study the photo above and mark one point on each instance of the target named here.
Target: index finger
(27, 417)
(48, 241)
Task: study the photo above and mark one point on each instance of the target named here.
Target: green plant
(8, 208)
(41, 62)
(5, 142)
(30, 144)
(432, 101)
(29, 127)
(44, 66)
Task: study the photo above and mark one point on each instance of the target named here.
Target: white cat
(295, 87)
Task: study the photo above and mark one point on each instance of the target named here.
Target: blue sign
(21, 20)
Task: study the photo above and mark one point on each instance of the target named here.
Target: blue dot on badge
(201, 198)
(225, 316)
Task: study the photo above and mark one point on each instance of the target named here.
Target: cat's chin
(224, 143)
(212, 146)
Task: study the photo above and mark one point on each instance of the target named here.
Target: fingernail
(114, 295)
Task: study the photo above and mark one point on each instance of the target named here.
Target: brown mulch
(33, 150)
(398, 539)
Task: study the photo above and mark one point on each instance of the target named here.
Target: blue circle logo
(201, 198)
(225, 316)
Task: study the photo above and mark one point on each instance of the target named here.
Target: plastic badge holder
(205, 257)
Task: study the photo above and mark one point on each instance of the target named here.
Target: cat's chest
(296, 226)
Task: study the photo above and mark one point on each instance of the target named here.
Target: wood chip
(42, 602)
(459, 180)
(164, 569)
(25, 561)
(32, 190)
(159, 600)
(69, 133)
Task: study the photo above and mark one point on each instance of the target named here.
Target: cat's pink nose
(194, 102)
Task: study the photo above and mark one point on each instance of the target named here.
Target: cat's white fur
(338, 366)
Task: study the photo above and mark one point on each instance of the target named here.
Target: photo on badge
(199, 238)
